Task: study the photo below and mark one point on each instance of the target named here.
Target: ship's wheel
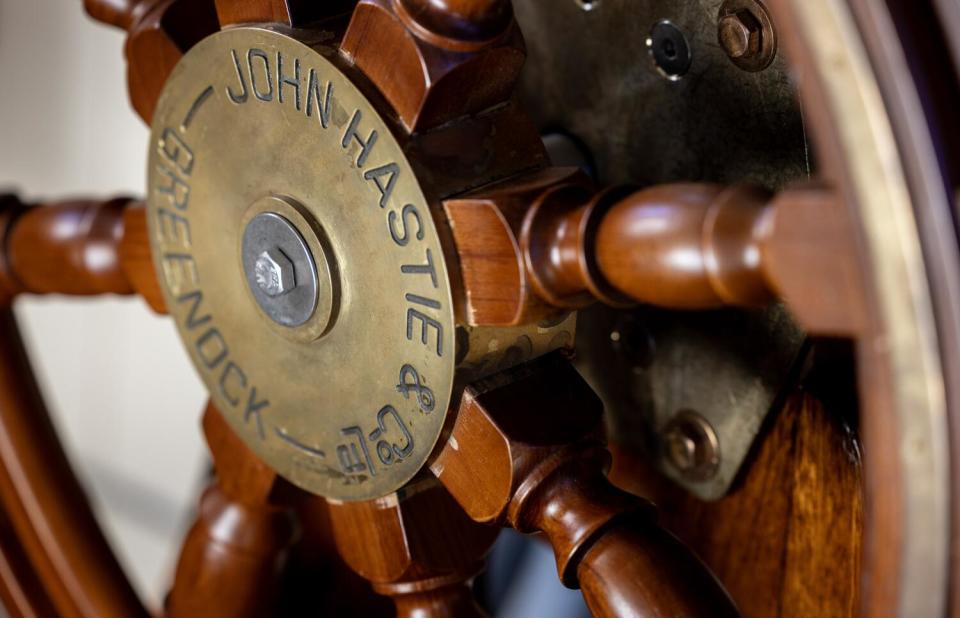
(415, 250)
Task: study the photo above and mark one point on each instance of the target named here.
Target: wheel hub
(301, 262)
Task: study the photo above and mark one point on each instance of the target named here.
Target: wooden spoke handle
(158, 34)
(448, 58)
(419, 548)
(548, 242)
(643, 570)
(525, 451)
(469, 20)
(232, 558)
(77, 248)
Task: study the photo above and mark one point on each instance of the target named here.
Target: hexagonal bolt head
(690, 446)
(274, 273)
(739, 34)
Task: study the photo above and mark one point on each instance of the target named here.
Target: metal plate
(726, 367)
(352, 410)
(590, 75)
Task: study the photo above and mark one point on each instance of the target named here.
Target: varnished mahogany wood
(158, 33)
(231, 12)
(698, 246)
(45, 504)
(787, 540)
(465, 20)
(21, 591)
(70, 248)
(297, 13)
(686, 246)
(486, 226)
(232, 558)
(76, 248)
(418, 547)
(810, 260)
(135, 258)
(10, 210)
(525, 451)
(315, 559)
(157, 41)
(430, 78)
(120, 13)
(683, 246)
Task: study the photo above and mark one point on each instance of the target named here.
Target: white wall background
(126, 400)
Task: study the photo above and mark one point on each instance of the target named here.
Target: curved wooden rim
(46, 506)
(76, 572)
(851, 68)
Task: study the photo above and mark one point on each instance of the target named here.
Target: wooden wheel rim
(904, 405)
(906, 368)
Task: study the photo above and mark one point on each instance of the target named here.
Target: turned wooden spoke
(291, 12)
(417, 547)
(233, 556)
(158, 34)
(458, 20)
(56, 529)
(78, 248)
(526, 451)
(463, 56)
(120, 13)
(547, 242)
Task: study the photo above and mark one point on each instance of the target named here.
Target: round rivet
(669, 50)
(690, 446)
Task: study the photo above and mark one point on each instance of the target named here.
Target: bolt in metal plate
(753, 17)
(714, 376)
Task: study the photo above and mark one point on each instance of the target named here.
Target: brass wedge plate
(338, 370)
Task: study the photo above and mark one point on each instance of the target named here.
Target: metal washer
(268, 231)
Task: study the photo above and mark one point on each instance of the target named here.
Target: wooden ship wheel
(673, 286)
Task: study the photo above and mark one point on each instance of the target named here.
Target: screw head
(669, 50)
(274, 272)
(739, 34)
(690, 446)
(746, 34)
(682, 450)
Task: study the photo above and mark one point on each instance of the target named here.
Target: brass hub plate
(350, 403)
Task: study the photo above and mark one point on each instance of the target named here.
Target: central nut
(274, 272)
(279, 265)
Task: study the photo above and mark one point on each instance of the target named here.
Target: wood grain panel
(787, 540)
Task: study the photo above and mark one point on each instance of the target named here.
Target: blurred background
(118, 384)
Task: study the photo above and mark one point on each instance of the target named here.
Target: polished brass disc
(350, 402)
